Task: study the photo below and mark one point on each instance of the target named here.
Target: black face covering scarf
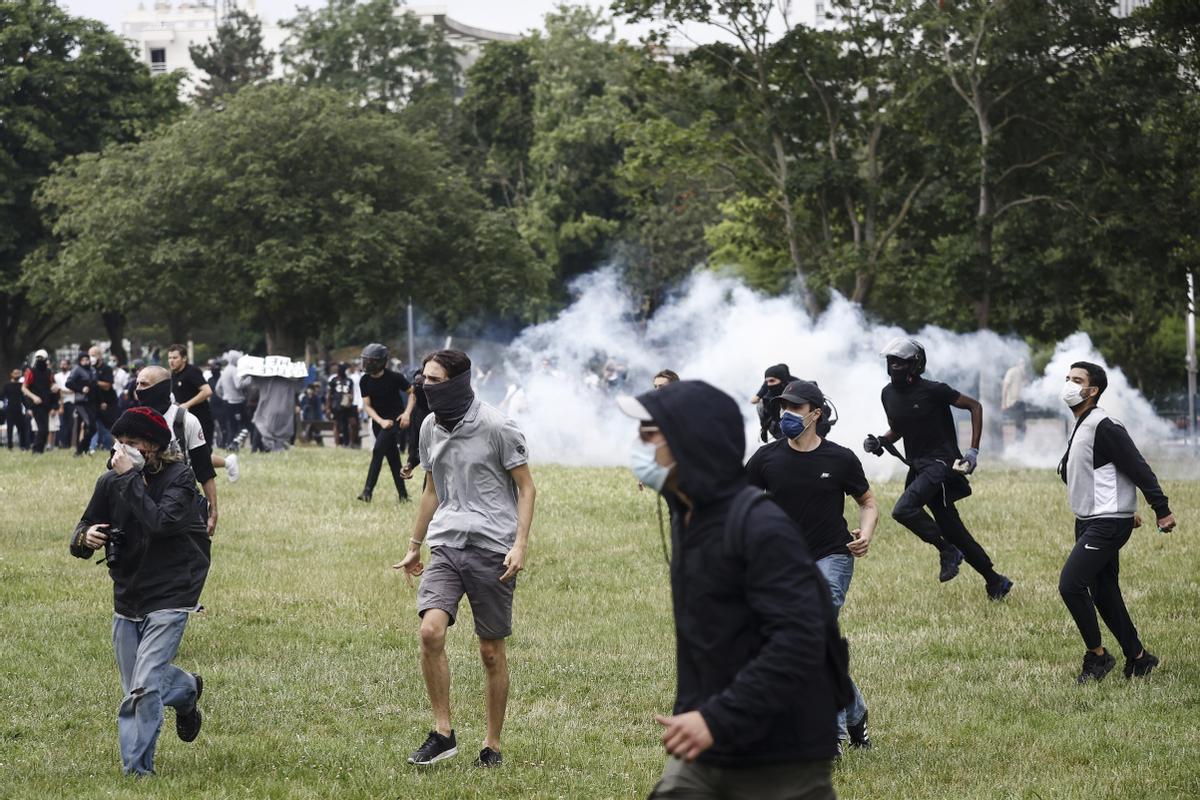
(451, 399)
(157, 396)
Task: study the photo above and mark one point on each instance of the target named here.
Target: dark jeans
(234, 421)
(344, 417)
(1089, 582)
(387, 445)
(18, 422)
(811, 780)
(87, 426)
(41, 415)
(66, 426)
(945, 530)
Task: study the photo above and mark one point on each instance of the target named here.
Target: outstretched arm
(976, 409)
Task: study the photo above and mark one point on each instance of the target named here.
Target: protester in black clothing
(388, 401)
(192, 393)
(810, 477)
(1103, 470)
(755, 713)
(774, 379)
(420, 410)
(918, 411)
(38, 389)
(108, 405)
(144, 513)
(340, 406)
(82, 381)
(14, 412)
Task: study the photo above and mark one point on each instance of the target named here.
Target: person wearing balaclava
(153, 389)
(774, 379)
(38, 389)
(388, 402)
(918, 411)
(475, 513)
(755, 712)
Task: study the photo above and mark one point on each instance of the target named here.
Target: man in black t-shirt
(192, 393)
(388, 401)
(808, 476)
(339, 404)
(918, 411)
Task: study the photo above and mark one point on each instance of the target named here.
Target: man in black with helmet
(918, 411)
(388, 401)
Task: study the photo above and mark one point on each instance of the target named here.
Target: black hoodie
(750, 631)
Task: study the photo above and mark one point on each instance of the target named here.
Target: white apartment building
(162, 33)
(823, 14)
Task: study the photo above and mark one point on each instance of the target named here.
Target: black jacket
(165, 554)
(750, 631)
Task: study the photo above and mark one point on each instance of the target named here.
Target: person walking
(38, 388)
(755, 713)
(388, 401)
(809, 477)
(475, 513)
(1103, 470)
(918, 411)
(15, 422)
(339, 404)
(66, 406)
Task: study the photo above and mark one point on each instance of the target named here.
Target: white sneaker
(231, 468)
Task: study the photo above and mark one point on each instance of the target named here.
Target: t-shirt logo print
(824, 475)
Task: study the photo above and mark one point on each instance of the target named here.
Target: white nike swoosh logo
(1089, 547)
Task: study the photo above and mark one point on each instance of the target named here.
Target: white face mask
(1072, 394)
(643, 460)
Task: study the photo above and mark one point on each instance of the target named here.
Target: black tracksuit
(750, 630)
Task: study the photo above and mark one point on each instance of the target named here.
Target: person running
(755, 710)
(774, 379)
(388, 401)
(1103, 469)
(475, 512)
(809, 476)
(918, 411)
(191, 392)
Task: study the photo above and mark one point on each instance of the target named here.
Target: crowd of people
(761, 554)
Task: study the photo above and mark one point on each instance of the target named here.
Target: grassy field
(309, 651)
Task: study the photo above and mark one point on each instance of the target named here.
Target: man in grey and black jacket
(755, 714)
(1103, 470)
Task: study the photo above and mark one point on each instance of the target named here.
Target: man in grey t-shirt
(475, 512)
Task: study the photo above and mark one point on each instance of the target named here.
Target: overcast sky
(506, 16)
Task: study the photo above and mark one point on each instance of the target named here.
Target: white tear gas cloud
(716, 329)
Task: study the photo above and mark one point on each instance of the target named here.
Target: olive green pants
(807, 780)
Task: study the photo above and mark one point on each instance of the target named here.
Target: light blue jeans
(838, 569)
(150, 681)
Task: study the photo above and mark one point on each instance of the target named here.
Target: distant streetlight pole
(412, 352)
(1191, 359)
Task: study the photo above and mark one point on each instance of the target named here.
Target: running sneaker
(999, 589)
(1141, 666)
(488, 758)
(436, 748)
(858, 734)
(231, 468)
(1095, 667)
(187, 726)
(950, 560)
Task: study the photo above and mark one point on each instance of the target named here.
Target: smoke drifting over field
(718, 330)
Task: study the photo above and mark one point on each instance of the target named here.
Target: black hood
(705, 431)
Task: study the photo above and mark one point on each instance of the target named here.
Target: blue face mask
(792, 424)
(643, 462)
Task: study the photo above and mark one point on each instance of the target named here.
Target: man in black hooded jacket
(755, 715)
(158, 563)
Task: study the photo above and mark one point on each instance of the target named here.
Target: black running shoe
(488, 758)
(950, 561)
(436, 748)
(999, 589)
(1140, 667)
(187, 726)
(858, 734)
(365, 496)
(1096, 667)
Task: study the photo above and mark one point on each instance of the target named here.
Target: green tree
(233, 59)
(374, 49)
(67, 85)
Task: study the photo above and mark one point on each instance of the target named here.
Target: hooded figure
(768, 393)
(751, 627)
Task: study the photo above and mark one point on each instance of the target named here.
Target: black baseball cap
(803, 392)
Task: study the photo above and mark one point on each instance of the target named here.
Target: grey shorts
(475, 572)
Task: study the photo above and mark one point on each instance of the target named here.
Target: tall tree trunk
(985, 221)
(114, 325)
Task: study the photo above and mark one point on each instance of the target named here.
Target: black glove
(872, 445)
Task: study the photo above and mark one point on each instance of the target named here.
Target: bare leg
(218, 462)
(495, 663)
(435, 667)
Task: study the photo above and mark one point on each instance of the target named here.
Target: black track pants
(386, 446)
(1089, 583)
(945, 530)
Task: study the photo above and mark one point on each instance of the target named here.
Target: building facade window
(158, 59)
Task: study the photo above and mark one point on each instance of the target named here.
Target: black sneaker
(998, 590)
(858, 734)
(950, 561)
(1096, 667)
(365, 496)
(1140, 667)
(187, 726)
(436, 748)
(488, 758)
